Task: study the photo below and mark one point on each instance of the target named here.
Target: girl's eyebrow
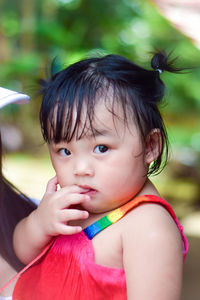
(95, 132)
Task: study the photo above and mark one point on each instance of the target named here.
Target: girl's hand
(51, 218)
(54, 213)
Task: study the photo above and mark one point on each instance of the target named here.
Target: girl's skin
(98, 173)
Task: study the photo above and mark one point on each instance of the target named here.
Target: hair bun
(160, 62)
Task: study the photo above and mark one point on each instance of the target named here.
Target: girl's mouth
(86, 190)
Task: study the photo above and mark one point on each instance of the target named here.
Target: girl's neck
(148, 189)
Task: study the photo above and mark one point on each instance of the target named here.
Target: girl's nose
(83, 168)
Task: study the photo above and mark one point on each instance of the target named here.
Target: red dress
(67, 270)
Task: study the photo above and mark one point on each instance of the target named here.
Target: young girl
(105, 233)
(13, 207)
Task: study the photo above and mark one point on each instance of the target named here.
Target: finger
(69, 230)
(52, 185)
(67, 200)
(67, 215)
(71, 189)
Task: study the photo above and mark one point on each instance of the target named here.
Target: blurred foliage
(34, 32)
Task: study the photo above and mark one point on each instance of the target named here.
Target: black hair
(137, 90)
(14, 206)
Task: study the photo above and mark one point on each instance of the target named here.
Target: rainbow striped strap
(118, 213)
(114, 216)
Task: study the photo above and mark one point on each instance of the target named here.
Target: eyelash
(102, 149)
(104, 146)
(65, 150)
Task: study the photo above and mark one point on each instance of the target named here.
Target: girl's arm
(50, 219)
(152, 254)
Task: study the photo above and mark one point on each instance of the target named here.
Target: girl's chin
(96, 209)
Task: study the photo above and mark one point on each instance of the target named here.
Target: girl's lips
(86, 190)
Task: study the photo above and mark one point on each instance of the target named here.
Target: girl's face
(108, 164)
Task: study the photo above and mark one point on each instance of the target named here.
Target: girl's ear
(153, 145)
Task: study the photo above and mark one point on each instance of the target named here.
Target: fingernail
(79, 229)
(85, 214)
(87, 197)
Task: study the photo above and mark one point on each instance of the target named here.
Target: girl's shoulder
(156, 215)
(152, 225)
(153, 249)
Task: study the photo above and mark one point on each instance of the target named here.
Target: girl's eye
(64, 152)
(100, 149)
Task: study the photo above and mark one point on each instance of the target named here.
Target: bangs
(72, 114)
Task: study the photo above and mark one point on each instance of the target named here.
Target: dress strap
(117, 214)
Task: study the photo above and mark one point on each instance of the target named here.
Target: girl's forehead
(107, 116)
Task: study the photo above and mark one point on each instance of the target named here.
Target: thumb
(52, 185)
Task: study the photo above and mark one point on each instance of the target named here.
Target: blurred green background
(34, 32)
